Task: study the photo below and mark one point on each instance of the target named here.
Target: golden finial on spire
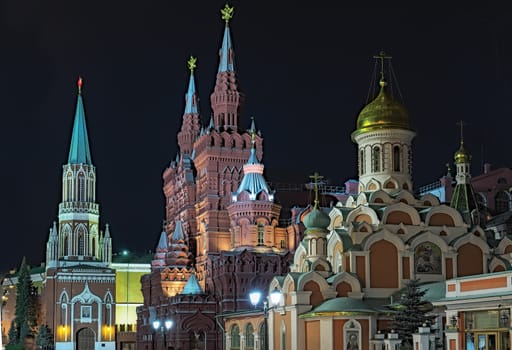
(382, 56)
(316, 176)
(192, 63)
(227, 13)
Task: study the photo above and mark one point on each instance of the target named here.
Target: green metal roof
(79, 152)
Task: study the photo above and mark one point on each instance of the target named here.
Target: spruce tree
(25, 312)
(44, 337)
(412, 312)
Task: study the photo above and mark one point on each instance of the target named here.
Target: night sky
(305, 71)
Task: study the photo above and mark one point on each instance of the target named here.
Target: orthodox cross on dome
(382, 56)
(192, 63)
(80, 83)
(316, 177)
(461, 124)
(227, 13)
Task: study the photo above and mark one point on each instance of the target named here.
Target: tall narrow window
(81, 185)
(66, 245)
(81, 244)
(376, 159)
(396, 158)
(249, 337)
(361, 162)
(261, 234)
(235, 337)
(263, 337)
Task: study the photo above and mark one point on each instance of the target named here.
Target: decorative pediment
(86, 296)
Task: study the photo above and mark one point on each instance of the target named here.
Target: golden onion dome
(462, 156)
(383, 112)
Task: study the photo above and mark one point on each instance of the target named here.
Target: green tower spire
(79, 152)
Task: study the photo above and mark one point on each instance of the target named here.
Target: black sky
(305, 70)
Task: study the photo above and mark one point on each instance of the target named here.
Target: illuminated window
(261, 235)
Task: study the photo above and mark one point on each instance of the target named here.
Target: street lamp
(157, 325)
(275, 297)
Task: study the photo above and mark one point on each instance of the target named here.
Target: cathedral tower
(384, 138)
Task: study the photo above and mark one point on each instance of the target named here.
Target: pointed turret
(79, 152)
(226, 99)
(253, 182)
(463, 198)
(190, 126)
(178, 251)
(52, 247)
(106, 253)
(162, 249)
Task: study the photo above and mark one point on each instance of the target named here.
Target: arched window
(66, 245)
(502, 202)
(376, 159)
(235, 337)
(262, 336)
(249, 337)
(81, 244)
(396, 158)
(261, 235)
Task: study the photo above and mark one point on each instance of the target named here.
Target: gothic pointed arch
(86, 296)
(312, 276)
(429, 200)
(383, 235)
(379, 196)
(427, 236)
(373, 185)
(391, 184)
(498, 264)
(362, 199)
(406, 197)
(444, 215)
(505, 246)
(401, 213)
(355, 226)
(348, 278)
(472, 252)
(336, 218)
(64, 297)
(198, 322)
(350, 202)
(362, 213)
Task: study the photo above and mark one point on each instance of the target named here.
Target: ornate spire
(191, 97)
(79, 152)
(226, 52)
(382, 56)
(192, 286)
(463, 197)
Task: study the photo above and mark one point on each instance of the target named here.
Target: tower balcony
(79, 207)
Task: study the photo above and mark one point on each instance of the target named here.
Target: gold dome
(382, 112)
(462, 156)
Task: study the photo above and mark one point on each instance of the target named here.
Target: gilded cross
(382, 56)
(316, 177)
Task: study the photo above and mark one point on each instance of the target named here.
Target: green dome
(317, 219)
(383, 112)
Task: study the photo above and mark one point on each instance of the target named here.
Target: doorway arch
(85, 339)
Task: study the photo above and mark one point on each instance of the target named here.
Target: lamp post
(164, 328)
(275, 297)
